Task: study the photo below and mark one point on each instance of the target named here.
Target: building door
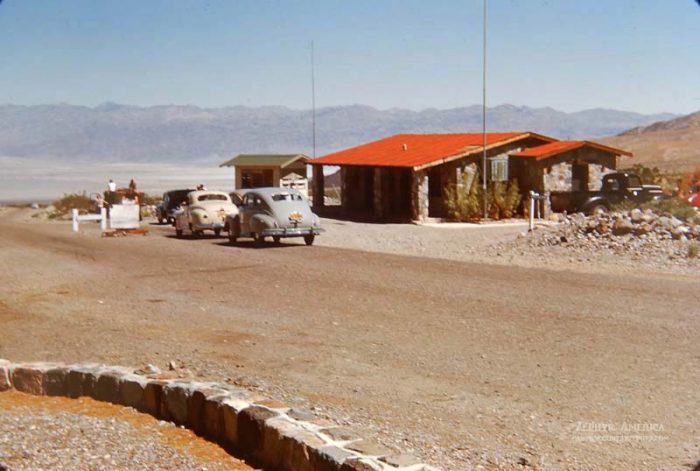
(435, 203)
(579, 176)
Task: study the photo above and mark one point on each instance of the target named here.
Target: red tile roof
(420, 150)
(559, 147)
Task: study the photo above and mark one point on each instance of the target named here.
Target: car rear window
(212, 197)
(286, 197)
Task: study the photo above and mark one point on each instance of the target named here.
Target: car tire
(277, 239)
(597, 210)
(217, 232)
(258, 239)
(160, 220)
(178, 233)
(309, 239)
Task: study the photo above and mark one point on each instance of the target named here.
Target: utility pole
(483, 117)
(313, 102)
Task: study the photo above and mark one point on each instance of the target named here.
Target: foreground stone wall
(263, 430)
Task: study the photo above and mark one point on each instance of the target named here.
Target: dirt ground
(461, 363)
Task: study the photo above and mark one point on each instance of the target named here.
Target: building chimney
(404, 146)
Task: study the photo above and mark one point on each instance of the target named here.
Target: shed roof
(264, 160)
(559, 147)
(421, 150)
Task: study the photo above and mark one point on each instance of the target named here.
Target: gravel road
(52, 433)
(461, 363)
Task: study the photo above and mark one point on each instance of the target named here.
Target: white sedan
(204, 210)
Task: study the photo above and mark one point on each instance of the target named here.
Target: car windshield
(212, 197)
(286, 197)
(634, 182)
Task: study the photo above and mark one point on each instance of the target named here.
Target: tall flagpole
(313, 102)
(483, 117)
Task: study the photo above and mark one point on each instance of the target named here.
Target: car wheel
(160, 220)
(217, 232)
(178, 233)
(259, 239)
(277, 239)
(598, 209)
(309, 239)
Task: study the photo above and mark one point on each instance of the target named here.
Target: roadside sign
(124, 216)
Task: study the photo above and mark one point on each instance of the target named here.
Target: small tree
(504, 199)
(463, 201)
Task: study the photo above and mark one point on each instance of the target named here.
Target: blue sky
(638, 55)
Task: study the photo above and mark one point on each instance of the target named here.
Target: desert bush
(149, 200)
(687, 182)
(69, 201)
(504, 199)
(693, 250)
(463, 201)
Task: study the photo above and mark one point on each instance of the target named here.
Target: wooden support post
(318, 186)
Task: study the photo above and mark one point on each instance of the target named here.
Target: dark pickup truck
(616, 188)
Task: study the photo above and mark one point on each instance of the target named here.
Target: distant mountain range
(672, 145)
(119, 133)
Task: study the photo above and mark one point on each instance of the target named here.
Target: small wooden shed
(265, 170)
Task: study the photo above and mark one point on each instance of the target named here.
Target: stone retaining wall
(266, 431)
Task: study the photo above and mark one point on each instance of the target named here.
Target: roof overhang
(474, 150)
(552, 149)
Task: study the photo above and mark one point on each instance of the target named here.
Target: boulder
(56, 381)
(30, 379)
(82, 380)
(175, 400)
(230, 408)
(5, 369)
(329, 458)
(622, 227)
(251, 428)
(132, 389)
(195, 408)
(152, 398)
(636, 215)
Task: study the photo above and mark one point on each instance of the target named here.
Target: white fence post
(103, 219)
(532, 210)
(75, 220)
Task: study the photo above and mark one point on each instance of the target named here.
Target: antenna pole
(483, 117)
(313, 102)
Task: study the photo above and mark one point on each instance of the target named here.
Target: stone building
(404, 176)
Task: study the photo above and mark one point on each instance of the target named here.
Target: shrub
(687, 182)
(463, 202)
(504, 199)
(693, 250)
(149, 200)
(69, 201)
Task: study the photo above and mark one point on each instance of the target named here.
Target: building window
(499, 169)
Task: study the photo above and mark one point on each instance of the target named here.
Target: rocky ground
(631, 240)
(42, 433)
(621, 242)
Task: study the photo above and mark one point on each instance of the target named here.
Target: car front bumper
(212, 226)
(292, 232)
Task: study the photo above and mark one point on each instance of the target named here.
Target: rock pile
(641, 233)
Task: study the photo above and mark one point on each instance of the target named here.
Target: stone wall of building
(419, 195)
(557, 177)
